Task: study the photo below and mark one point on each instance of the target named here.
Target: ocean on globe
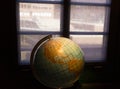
(57, 62)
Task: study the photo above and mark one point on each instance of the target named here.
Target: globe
(57, 62)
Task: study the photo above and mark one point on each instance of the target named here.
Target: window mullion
(39, 1)
(65, 19)
(38, 32)
(90, 4)
(89, 33)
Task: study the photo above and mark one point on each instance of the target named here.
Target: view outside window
(27, 43)
(41, 18)
(87, 18)
(93, 46)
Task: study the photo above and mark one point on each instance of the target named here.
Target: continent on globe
(57, 62)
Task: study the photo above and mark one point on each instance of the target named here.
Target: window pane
(93, 46)
(39, 17)
(25, 57)
(27, 42)
(92, 1)
(88, 18)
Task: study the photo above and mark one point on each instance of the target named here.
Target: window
(83, 21)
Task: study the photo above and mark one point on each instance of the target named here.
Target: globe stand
(36, 46)
(76, 85)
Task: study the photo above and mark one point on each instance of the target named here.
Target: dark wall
(8, 40)
(114, 42)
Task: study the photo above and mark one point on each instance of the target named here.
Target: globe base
(76, 85)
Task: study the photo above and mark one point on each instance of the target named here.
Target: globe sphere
(57, 62)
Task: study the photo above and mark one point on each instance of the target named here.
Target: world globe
(57, 62)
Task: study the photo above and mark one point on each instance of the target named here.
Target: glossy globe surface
(57, 62)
